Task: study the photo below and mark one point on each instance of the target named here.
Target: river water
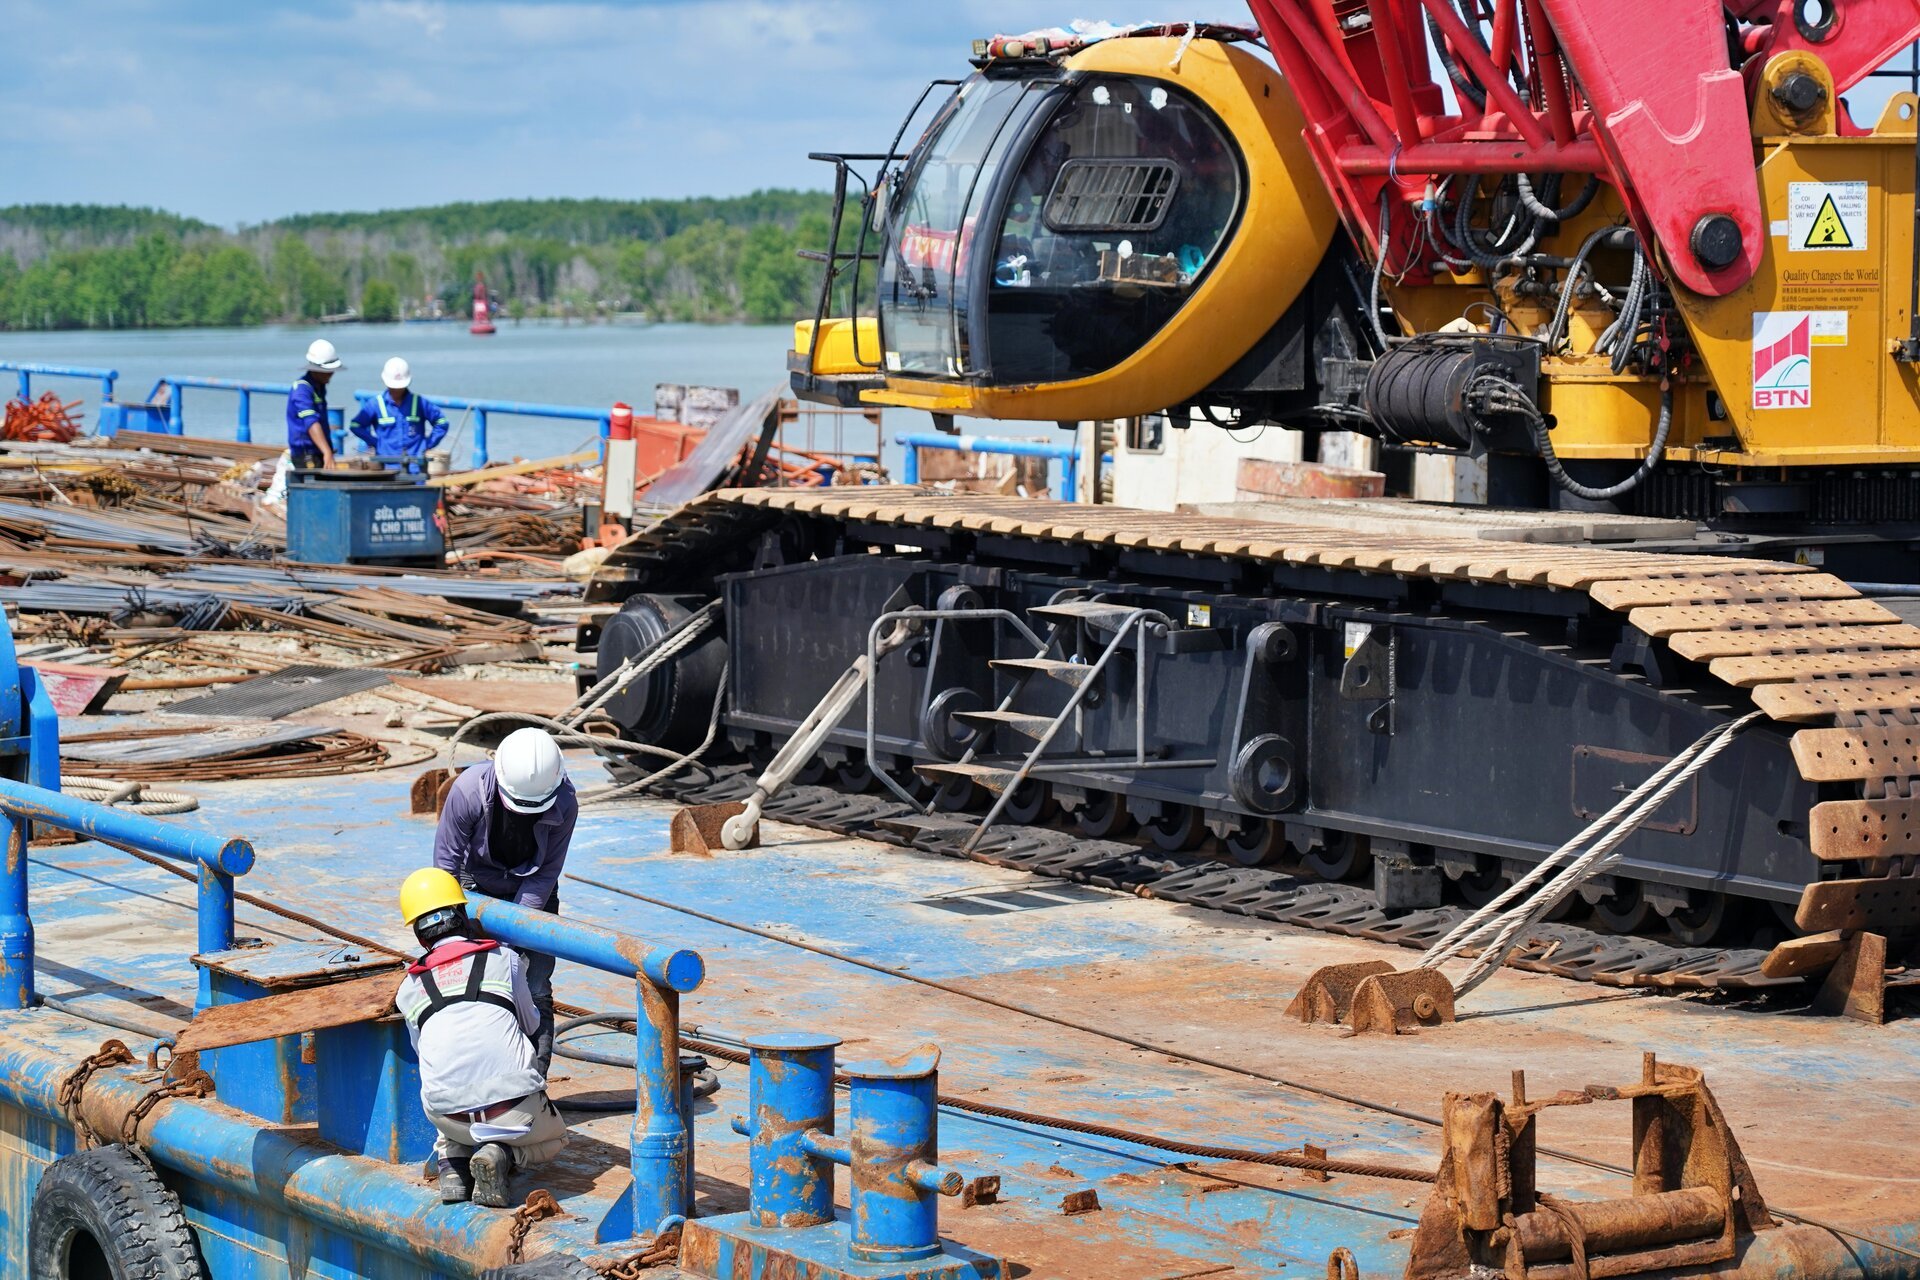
(541, 361)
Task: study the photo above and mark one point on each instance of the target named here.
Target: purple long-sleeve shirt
(460, 843)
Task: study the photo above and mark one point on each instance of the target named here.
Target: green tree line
(718, 260)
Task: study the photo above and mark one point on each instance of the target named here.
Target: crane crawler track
(1349, 910)
(1837, 673)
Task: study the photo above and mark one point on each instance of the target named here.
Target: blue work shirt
(306, 405)
(407, 427)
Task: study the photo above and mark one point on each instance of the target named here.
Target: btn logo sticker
(1782, 360)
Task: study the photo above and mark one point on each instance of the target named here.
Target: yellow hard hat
(429, 889)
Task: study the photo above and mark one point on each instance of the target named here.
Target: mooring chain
(112, 1054)
(664, 1251)
(540, 1205)
(193, 1083)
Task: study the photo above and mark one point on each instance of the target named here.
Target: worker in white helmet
(309, 433)
(504, 832)
(398, 422)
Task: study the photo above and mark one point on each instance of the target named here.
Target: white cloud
(243, 112)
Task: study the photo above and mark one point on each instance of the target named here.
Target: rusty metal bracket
(1370, 996)
(1693, 1196)
(696, 828)
(1856, 986)
(428, 795)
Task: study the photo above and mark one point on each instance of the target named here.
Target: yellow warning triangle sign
(1829, 231)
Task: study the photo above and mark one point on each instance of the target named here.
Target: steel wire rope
(726, 1054)
(1526, 914)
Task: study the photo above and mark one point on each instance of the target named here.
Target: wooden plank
(1886, 828)
(1815, 699)
(1887, 907)
(1858, 754)
(1640, 592)
(1767, 668)
(334, 1004)
(1797, 957)
(1666, 620)
(1736, 642)
(458, 479)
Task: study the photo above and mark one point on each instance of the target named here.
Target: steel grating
(280, 693)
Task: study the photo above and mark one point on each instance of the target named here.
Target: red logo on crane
(1782, 360)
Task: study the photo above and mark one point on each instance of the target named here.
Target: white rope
(616, 681)
(1505, 924)
(134, 797)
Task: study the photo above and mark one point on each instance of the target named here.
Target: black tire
(551, 1266)
(105, 1215)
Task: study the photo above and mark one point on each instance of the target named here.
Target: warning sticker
(1826, 215)
(1783, 359)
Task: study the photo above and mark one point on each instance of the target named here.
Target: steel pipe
(661, 1152)
(229, 855)
(482, 407)
(26, 372)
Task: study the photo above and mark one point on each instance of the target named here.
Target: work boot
(492, 1165)
(456, 1181)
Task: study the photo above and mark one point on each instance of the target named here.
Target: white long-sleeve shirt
(473, 1054)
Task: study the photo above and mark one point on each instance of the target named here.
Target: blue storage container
(355, 521)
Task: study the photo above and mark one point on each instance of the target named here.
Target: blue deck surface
(1828, 1112)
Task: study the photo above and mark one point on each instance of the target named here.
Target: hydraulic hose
(1550, 189)
(706, 1084)
(1500, 396)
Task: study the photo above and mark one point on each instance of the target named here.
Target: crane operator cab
(1072, 238)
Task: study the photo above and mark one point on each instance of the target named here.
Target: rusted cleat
(1328, 995)
(1402, 1002)
(429, 792)
(1370, 996)
(696, 828)
(1694, 1200)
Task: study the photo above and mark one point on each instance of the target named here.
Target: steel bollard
(895, 1149)
(789, 1125)
(691, 1065)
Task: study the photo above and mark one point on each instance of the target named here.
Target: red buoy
(482, 309)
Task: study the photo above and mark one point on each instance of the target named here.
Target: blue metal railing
(172, 388)
(481, 408)
(218, 859)
(1067, 455)
(662, 1149)
(27, 373)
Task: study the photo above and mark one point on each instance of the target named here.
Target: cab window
(1119, 208)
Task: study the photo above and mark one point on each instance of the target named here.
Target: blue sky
(244, 110)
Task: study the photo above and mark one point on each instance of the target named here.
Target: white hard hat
(322, 358)
(397, 374)
(529, 770)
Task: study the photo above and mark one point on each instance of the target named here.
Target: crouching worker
(470, 1017)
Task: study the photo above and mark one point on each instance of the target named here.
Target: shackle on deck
(892, 1152)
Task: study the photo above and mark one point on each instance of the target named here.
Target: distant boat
(482, 309)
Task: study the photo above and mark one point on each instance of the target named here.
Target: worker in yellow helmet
(470, 1016)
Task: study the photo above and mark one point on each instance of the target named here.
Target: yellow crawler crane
(1632, 257)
